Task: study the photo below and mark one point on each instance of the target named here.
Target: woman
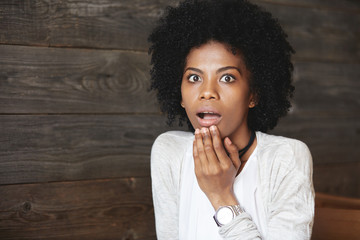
(224, 68)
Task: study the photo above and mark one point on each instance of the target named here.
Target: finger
(209, 148)
(233, 152)
(200, 148)
(218, 145)
(197, 162)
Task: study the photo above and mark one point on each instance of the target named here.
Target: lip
(211, 121)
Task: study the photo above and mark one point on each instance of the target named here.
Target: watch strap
(237, 209)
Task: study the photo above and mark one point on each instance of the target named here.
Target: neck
(241, 140)
(248, 153)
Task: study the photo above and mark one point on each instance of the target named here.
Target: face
(215, 89)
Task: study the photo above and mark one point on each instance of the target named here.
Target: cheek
(186, 100)
(235, 109)
(187, 94)
(183, 92)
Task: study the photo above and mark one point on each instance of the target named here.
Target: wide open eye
(227, 78)
(194, 78)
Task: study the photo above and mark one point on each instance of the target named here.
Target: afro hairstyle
(239, 24)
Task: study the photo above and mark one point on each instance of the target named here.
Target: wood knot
(129, 235)
(131, 182)
(26, 207)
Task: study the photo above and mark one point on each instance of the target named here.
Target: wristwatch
(226, 214)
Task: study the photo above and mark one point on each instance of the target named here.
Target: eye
(227, 78)
(194, 78)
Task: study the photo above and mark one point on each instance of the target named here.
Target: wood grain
(76, 147)
(333, 5)
(341, 179)
(54, 80)
(323, 200)
(93, 23)
(96, 209)
(60, 80)
(336, 217)
(327, 88)
(336, 224)
(317, 32)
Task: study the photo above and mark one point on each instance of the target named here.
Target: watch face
(224, 215)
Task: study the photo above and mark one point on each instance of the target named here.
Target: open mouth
(208, 115)
(207, 119)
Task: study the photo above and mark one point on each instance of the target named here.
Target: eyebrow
(227, 68)
(194, 69)
(217, 71)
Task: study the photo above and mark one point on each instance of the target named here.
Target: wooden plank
(102, 209)
(52, 80)
(340, 178)
(333, 5)
(335, 224)
(60, 80)
(323, 200)
(319, 34)
(94, 23)
(96, 209)
(327, 88)
(76, 147)
(316, 31)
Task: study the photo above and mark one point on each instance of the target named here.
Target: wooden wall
(77, 121)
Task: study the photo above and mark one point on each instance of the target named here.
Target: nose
(209, 90)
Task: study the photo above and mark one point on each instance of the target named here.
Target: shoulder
(171, 145)
(288, 153)
(173, 141)
(180, 137)
(269, 142)
(285, 166)
(167, 155)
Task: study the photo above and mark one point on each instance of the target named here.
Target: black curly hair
(243, 26)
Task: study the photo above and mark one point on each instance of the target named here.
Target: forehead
(214, 53)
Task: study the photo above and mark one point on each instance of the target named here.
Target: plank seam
(77, 47)
(85, 113)
(308, 6)
(81, 180)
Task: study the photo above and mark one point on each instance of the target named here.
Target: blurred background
(77, 120)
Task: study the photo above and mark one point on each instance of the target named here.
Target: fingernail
(213, 129)
(204, 130)
(228, 141)
(197, 131)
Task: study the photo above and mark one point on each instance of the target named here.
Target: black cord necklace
(251, 140)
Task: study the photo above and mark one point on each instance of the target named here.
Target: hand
(216, 170)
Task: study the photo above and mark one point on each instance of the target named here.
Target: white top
(275, 188)
(195, 210)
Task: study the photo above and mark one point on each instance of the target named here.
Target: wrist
(225, 199)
